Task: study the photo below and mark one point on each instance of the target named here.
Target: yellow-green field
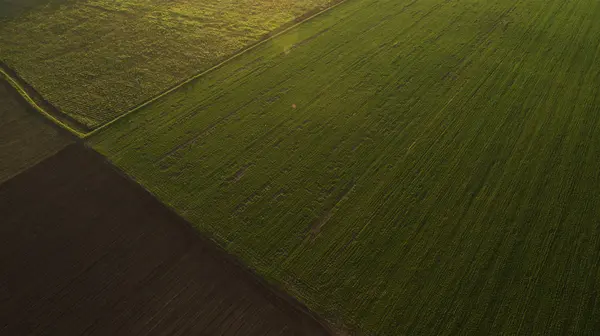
(96, 59)
(427, 167)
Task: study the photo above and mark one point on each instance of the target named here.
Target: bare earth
(26, 137)
(84, 250)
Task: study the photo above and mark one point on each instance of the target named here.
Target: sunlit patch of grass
(96, 59)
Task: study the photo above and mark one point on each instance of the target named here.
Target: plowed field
(26, 137)
(85, 251)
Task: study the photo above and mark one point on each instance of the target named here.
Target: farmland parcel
(26, 137)
(96, 59)
(411, 167)
(85, 251)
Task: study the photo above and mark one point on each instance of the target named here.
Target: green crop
(96, 59)
(403, 167)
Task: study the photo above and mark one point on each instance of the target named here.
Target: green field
(26, 138)
(96, 59)
(439, 173)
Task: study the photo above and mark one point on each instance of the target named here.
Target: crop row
(410, 167)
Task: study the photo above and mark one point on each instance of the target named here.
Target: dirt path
(84, 250)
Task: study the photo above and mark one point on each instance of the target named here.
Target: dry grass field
(96, 59)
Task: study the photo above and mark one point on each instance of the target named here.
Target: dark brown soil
(86, 251)
(26, 137)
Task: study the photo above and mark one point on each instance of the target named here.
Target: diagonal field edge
(83, 135)
(213, 68)
(273, 294)
(14, 83)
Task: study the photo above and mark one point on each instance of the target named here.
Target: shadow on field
(12, 8)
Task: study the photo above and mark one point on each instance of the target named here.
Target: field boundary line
(213, 68)
(14, 83)
(216, 245)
